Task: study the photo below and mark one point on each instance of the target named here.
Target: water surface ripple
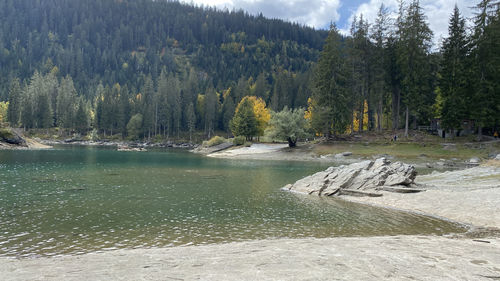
(76, 200)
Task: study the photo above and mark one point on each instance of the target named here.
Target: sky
(320, 13)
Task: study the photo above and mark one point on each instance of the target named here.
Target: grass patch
(406, 150)
(214, 141)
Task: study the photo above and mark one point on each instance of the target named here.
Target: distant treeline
(112, 41)
(151, 68)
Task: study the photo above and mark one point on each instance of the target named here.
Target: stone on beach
(363, 176)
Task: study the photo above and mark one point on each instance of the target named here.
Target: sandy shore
(470, 196)
(374, 258)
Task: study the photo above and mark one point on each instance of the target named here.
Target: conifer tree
(331, 87)
(244, 122)
(413, 57)
(454, 79)
(191, 120)
(486, 95)
(14, 109)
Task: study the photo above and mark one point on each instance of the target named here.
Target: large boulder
(362, 177)
(11, 136)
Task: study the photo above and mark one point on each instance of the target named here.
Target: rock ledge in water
(359, 178)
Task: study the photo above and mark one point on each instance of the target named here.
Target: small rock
(346, 153)
(498, 157)
(474, 160)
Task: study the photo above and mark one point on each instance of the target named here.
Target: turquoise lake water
(73, 200)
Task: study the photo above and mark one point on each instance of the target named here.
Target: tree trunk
(396, 103)
(379, 116)
(362, 110)
(479, 133)
(406, 121)
(291, 142)
(352, 121)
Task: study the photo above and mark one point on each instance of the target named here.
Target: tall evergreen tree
(455, 75)
(486, 65)
(379, 62)
(14, 109)
(244, 122)
(211, 110)
(413, 58)
(331, 87)
(191, 120)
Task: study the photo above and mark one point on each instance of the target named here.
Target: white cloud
(315, 13)
(438, 13)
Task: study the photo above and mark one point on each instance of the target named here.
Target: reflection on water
(80, 199)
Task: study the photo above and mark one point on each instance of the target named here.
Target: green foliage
(331, 87)
(485, 98)
(93, 136)
(69, 64)
(414, 44)
(239, 140)
(244, 122)
(455, 74)
(81, 39)
(14, 110)
(134, 126)
(216, 140)
(288, 124)
(6, 133)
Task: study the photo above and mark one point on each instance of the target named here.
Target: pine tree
(124, 110)
(65, 103)
(148, 107)
(14, 109)
(454, 82)
(413, 58)
(191, 120)
(81, 118)
(379, 62)
(331, 87)
(228, 108)
(211, 110)
(244, 122)
(485, 99)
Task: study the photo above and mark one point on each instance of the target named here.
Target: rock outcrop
(12, 136)
(213, 149)
(362, 179)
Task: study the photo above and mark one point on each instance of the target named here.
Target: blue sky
(319, 13)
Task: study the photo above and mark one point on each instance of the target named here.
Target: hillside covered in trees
(143, 68)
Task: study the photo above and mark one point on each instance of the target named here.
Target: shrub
(6, 133)
(239, 140)
(216, 140)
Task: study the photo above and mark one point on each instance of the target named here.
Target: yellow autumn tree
(261, 112)
(3, 111)
(357, 119)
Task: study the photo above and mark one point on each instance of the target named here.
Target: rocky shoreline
(168, 144)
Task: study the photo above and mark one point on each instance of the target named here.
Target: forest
(142, 69)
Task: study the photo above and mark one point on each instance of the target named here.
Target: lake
(75, 199)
